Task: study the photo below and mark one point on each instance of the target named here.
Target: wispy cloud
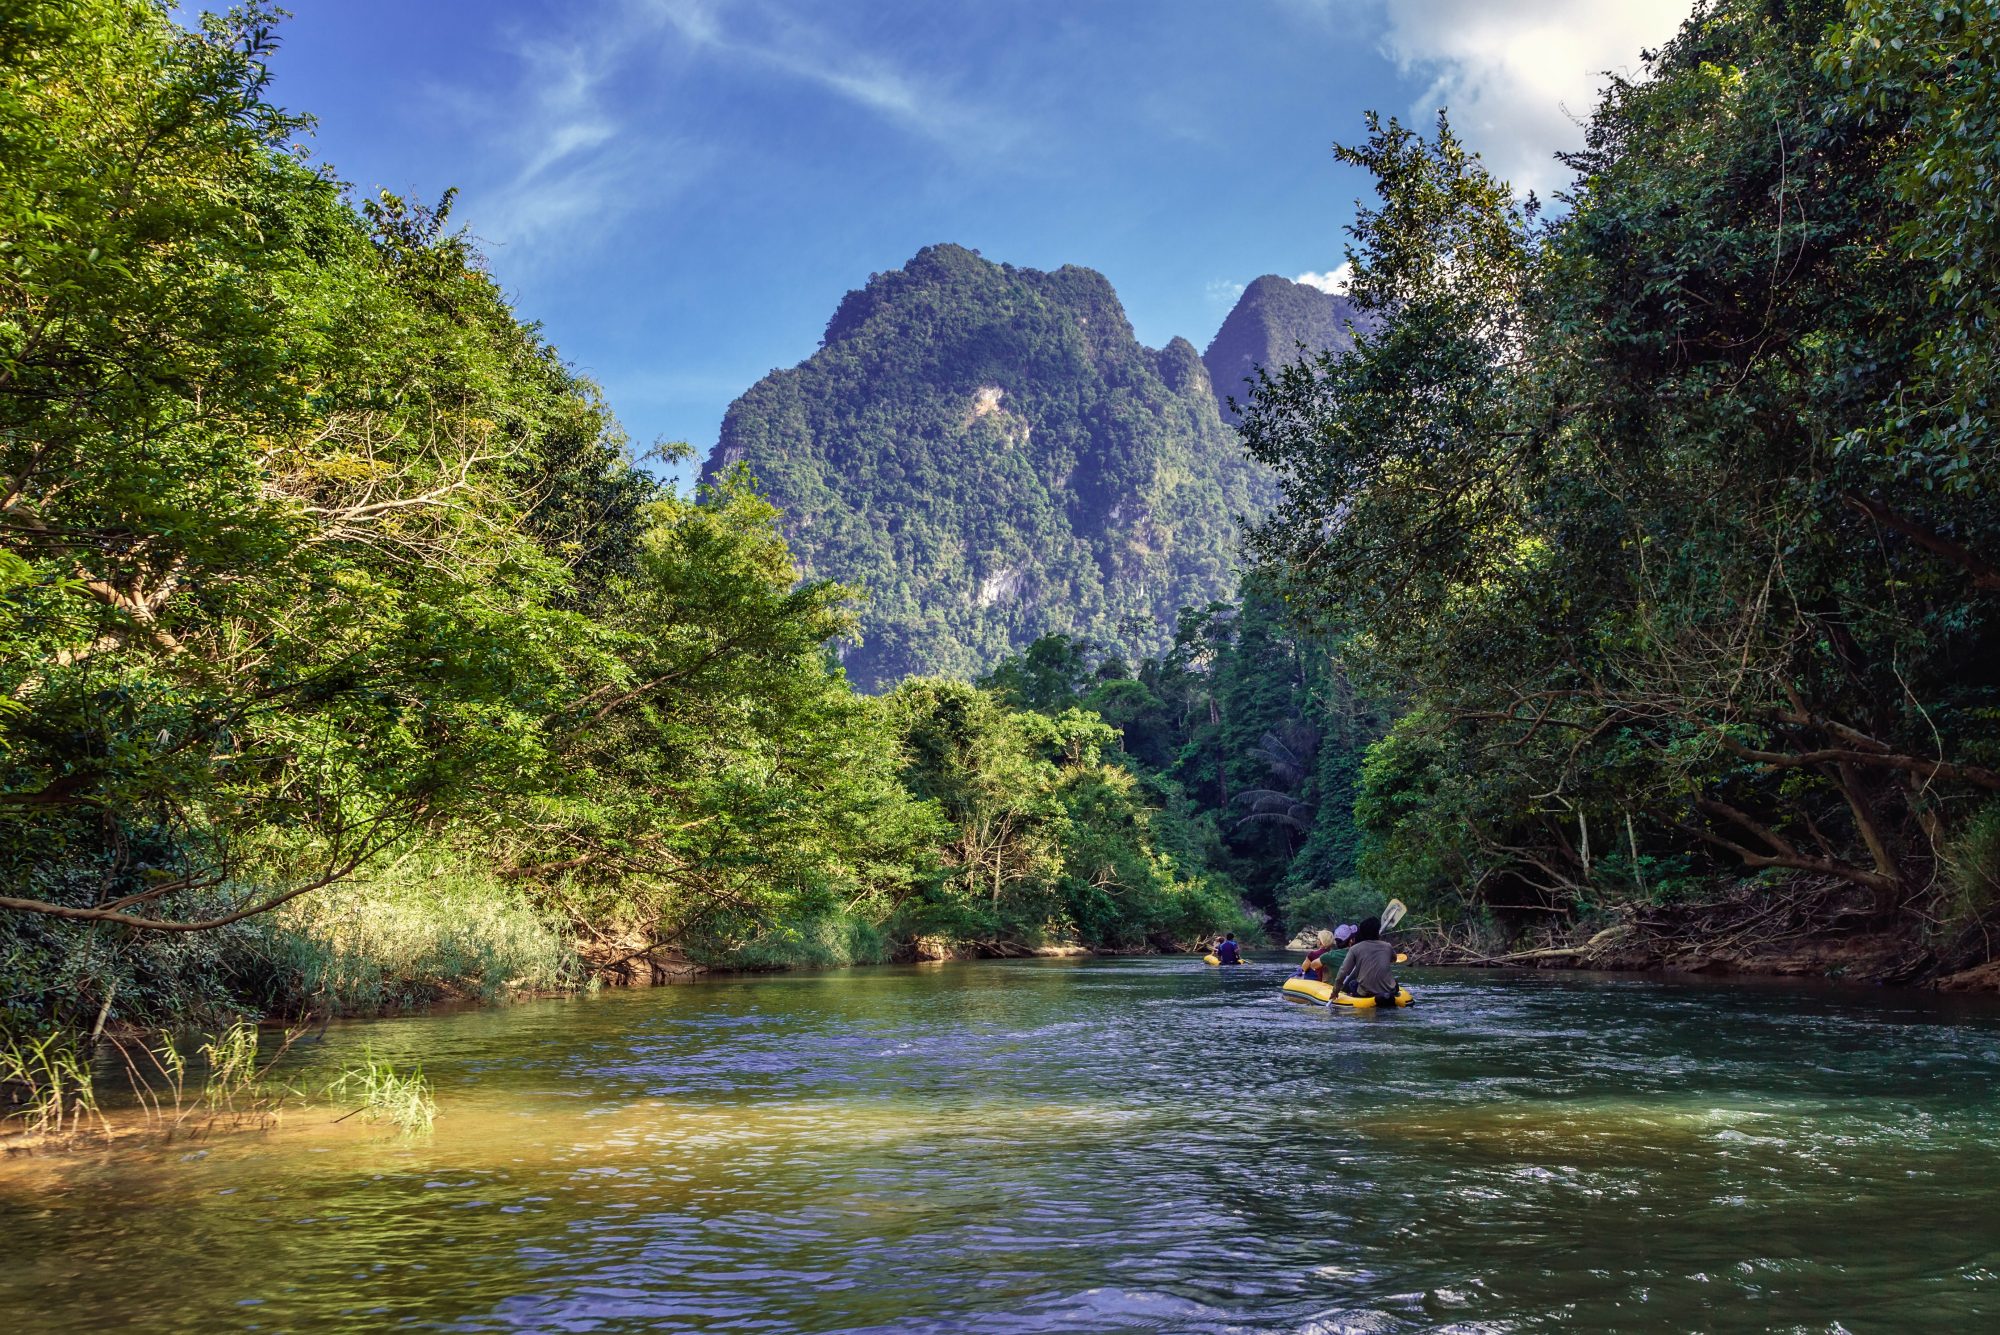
(563, 163)
(758, 34)
(1223, 291)
(576, 140)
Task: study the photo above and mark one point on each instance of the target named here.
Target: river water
(1104, 1145)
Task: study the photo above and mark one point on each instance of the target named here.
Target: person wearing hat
(1366, 970)
(1316, 965)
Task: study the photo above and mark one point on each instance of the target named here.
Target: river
(1100, 1145)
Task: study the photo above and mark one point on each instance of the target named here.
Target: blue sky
(682, 190)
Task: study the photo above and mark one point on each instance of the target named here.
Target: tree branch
(1985, 574)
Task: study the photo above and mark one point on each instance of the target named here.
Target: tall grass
(48, 1078)
(236, 1089)
(233, 1071)
(1972, 867)
(383, 1091)
(422, 931)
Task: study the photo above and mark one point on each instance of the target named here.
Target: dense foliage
(319, 568)
(1247, 737)
(991, 454)
(1676, 516)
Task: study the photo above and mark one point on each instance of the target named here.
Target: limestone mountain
(1272, 318)
(991, 453)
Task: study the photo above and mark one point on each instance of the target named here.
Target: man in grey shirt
(1365, 972)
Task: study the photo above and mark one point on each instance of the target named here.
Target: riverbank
(634, 963)
(1805, 929)
(433, 944)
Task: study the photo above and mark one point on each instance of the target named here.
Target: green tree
(273, 604)
(719, 774)
(1625, 500)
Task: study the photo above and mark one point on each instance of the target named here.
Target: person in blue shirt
(1228, 951)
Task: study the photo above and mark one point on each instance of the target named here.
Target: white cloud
(1518, 78)
(1334, 280)
(1223, 291)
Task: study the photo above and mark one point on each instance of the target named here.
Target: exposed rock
(1002, 586)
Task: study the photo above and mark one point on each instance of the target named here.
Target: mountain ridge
(991, 453)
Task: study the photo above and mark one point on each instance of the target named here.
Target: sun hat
(1325, 938)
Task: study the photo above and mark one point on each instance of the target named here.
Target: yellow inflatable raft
(1217, 960)
(1307, 989)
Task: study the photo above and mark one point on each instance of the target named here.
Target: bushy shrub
(70, 974)
(419, 933)
(1973, 865)
(832, 941)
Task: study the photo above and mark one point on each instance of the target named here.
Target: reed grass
(831, 942)
(50, 1079)
(381, 1091)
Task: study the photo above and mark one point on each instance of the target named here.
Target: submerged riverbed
(1101, 1145)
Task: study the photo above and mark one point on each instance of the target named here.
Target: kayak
(1308, 989)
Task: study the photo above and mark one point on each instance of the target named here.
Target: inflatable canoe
(1216, 959)
(1307, 989)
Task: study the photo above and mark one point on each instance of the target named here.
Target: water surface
(1102, 1145)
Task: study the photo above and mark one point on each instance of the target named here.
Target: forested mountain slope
(1270, 322)
(991, 453)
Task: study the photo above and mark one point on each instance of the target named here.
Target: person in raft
(1228, 951)
(1366, 972)
(1316, 965)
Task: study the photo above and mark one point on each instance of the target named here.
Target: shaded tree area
(334, 605)
(1246, 734)
(1673, 518)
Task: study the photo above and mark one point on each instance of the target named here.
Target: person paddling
(1366, 972)
(1228, 951)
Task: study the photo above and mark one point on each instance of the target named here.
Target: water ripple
(1101, 1146)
